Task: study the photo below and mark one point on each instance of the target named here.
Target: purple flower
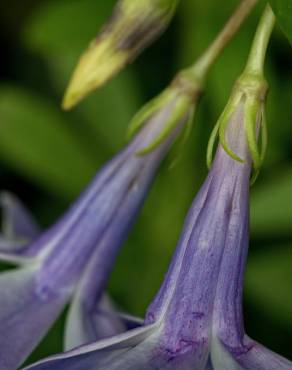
(195, 321)
(74, 257)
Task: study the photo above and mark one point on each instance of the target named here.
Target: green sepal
(211, 144)
(176, 114)
(147, 111)
(251, 120)
(264, 134)
(224, 120)
(264, 144)
(183, 139)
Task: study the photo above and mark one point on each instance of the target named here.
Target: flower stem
(255, 64)
(202, 66)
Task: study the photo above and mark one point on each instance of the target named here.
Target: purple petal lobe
(248, 356)
(76, 255)
(131, 322)
(128, 351)
(17, 221)
(15, 257)
(261, 358)
(84, 327)
(18, 229)
(25, 315)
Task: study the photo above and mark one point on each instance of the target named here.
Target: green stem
(255, 64)
(202, 66)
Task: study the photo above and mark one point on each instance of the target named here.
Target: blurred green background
(47, 156)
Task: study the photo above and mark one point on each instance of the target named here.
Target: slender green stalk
(256, 60)
(202, 66)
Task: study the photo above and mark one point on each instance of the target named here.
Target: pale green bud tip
(133, 25)
(249, 91)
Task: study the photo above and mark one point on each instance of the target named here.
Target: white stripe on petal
(221, 359)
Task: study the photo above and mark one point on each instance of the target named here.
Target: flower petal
(26, 314)
(18, 228)
(222, 359)
(131, 322)
(231, 349)
(17, 221)
(261, 358)
(250, 355)
(129, 179)
(127, 351)
(92, 316)
(16, 257)
(87, 326)
(87, 236)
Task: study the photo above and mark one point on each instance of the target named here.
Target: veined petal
(261, 358)
(17, 257)
(17, 222)
(88, 319)
(222, 359)
(131, 322)
(250, 355)
(25, 315)
(86, 238)
(231, 349)
(85, 325)
(185, 301)
(92, 315)
(127, 351)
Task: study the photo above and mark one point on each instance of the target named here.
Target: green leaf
(283, 11)
(62, 26)
(108, 111)
(271, 211)
(60, 30)
(35, 140)
(268, 283)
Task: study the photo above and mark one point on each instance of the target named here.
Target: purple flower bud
(195, 321)
(76, 255)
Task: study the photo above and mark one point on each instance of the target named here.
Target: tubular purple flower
(195, 321)
(55, 267)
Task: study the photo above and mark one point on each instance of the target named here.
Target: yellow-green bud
(133, 25)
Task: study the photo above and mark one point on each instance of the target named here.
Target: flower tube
(34, 295)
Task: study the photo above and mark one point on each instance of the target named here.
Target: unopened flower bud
(133, 25)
